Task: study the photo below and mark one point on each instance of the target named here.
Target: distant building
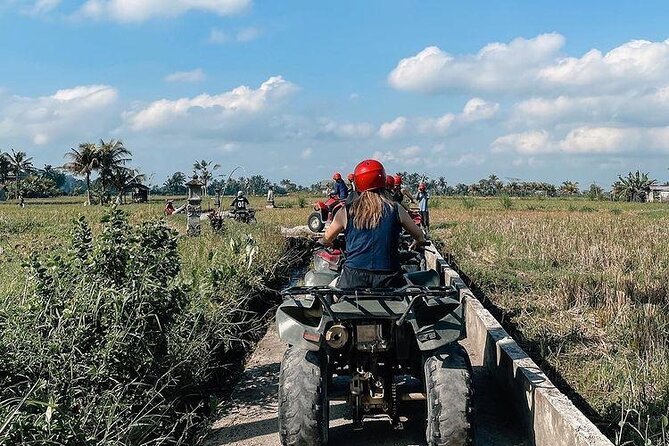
(659, 194)
(140, 193)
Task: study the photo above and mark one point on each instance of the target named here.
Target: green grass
(123, 334)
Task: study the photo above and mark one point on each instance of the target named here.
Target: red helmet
(390, 182)
(422, 186)
(369, 175)
(336, 176)
(350, 177)
(398, 180)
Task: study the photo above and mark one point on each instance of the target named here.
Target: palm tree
(112, 156)
(83, 163)
(122, 178)
(633, 187)
(569, 188)
(20, 164)
(5, 168)
(205, 170)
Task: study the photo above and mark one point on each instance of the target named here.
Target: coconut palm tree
(122, 178)
(205, 170)
(83, 163)
(633, 187)
(112, 156)
(569, 188)
(20, 164)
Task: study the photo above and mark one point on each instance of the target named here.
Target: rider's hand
(321, 241)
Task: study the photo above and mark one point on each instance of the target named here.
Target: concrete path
(250, 416)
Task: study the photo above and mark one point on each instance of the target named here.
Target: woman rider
(372, 226)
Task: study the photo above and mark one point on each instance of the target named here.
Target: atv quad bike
(381, 350)
(247, 216)
(324, 212)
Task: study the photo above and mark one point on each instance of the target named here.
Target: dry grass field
(584, 285)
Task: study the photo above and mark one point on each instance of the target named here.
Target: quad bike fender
(437, 323)
(301, 323)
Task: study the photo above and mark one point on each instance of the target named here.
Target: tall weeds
(114, 343)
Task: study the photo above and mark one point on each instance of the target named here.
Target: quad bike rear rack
(414, 292)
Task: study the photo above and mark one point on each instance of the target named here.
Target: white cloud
(587, 140)
(393, 128)
(141, 10)
(526, 143)
(248, 34)
(241, 100)
(407, 156)
(196, 75)
(43, 6)
(77, 112)
(219, 37)
(475, 109)
(330, 129)
(525, 65)
(497, 66)
(306, 153)
(635, 63)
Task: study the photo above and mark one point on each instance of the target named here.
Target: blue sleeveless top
(374, 249)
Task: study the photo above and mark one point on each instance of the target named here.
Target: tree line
(110, 161)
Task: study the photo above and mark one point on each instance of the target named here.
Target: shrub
(114, 344)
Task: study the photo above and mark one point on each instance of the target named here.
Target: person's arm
(410, 226)
(336, 227)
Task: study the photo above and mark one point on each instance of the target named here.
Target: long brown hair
(369, 207)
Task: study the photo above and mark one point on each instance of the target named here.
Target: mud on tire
(303, 404)
(448, 386)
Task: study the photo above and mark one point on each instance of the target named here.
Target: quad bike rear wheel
(304, 409)
(315, 222)
(448, 386)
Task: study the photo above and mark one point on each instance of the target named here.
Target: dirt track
(250, 417)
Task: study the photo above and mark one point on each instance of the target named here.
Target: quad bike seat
(424, 278)
(319, 278)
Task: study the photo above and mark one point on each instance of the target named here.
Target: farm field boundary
(549, 417)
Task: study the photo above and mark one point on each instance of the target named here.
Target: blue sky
(532, 90)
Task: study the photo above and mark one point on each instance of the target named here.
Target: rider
(340, 190)
(422, 197)
(352, 192)
(372, 226)
(240, 203)
(398, 192)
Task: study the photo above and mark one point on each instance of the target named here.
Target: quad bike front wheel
(448, 386)
(315, 222)
(304, 409)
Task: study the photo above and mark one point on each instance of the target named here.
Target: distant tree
(461, 189)
(569, 188)
(205, 170)
(83, 162)
(123, 178)
(288, 185)
(633, 187)
(20, 165)
(595, 192)
(112, 157)
(5, 168)
(174, 185)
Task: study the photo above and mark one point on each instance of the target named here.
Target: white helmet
(240, 193)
